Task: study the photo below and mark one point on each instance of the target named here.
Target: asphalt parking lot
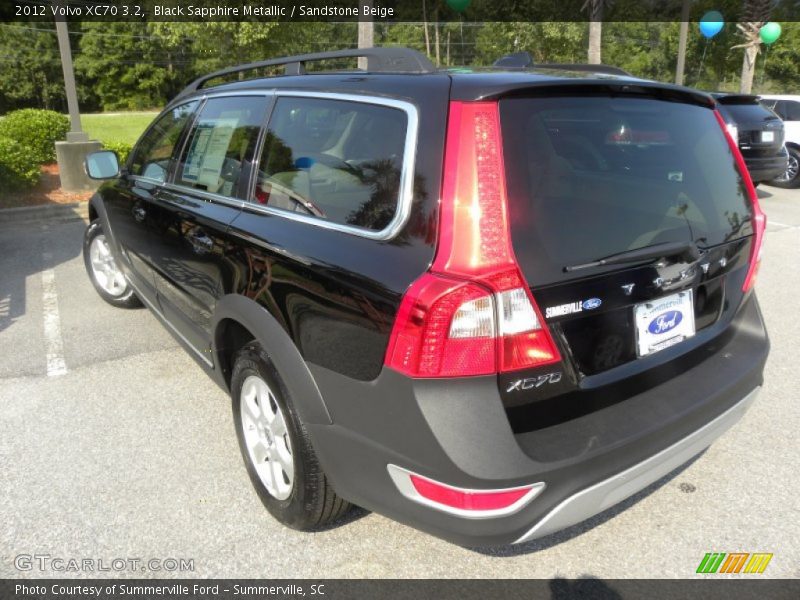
(113, 444)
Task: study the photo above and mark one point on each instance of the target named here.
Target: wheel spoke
(266, 437)
(278, 426)
(250, 405)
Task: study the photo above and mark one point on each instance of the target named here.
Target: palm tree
(595, 28)
(754, 15)
(682, 37)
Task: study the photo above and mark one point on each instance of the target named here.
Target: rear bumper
(617, 488)
(767, 168)
(457, 432)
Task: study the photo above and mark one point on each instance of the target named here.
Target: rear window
(589, 177)
(748, 113)
(333, 160)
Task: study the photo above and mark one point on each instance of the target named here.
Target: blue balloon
(711, 23)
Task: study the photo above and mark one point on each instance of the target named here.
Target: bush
(123, 149)
(37, 130)
(18, 170)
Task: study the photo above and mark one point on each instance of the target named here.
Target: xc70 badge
(533, 382)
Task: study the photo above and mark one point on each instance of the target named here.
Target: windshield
(592, 176)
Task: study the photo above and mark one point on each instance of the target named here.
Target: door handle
(201, 242)
(139, 213)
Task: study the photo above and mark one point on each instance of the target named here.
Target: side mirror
(102, 164)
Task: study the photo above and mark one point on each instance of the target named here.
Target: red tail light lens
(473, 314)
(455, 498)
(759, 218)
(475, 504)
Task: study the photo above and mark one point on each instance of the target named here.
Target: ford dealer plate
(664, 322)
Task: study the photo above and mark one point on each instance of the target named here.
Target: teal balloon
(770, 32)
(711, 23)
(458, 5)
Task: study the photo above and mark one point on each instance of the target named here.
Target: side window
(219, 153)
(155, 149)
(334, 160)
(779, 107)
(792, 111)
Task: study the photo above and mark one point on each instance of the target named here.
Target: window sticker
(206, 157)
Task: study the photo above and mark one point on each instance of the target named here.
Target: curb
(51, 213)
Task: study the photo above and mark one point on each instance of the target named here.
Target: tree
(546, 42)
(754, 15)
(126, 67)
(31, 75)
(595, 28)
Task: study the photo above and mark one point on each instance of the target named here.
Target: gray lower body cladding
(457, 432)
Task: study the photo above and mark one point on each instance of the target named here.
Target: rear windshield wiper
(687, 248)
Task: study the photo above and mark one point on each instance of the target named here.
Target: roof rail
(384, 60)
(523, 60)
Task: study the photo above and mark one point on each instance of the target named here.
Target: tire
(100, 265)
(305, 500)
(790, 179)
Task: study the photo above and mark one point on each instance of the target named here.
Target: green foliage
(31, 69)
(546, 42)
(126, 68)
(18, 171)
(123, 149)
(133, 66)
(37, 130)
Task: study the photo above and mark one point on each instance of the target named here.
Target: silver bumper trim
(613, 490)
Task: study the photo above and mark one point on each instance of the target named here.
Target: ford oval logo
(665, 322)
(591, 303)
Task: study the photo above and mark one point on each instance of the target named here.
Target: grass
(117, 127)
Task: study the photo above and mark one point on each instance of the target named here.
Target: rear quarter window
(589, 177)
(333, 160)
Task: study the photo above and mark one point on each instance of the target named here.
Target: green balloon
(458, 5)
(770, 32)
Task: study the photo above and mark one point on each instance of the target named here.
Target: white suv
(788, 109)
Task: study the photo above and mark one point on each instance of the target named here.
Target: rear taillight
(472, 313)
(759, 218)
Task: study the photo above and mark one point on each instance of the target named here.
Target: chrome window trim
(406, 194)
(219, 198)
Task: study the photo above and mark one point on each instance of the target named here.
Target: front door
(129, 201)
(192, 214)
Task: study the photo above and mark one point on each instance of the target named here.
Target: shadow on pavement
(26, 249)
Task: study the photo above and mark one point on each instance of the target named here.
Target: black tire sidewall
(293, 511)
(126, 300)
(794, 183)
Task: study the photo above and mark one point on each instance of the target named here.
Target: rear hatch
(646, 182)
(760, 131)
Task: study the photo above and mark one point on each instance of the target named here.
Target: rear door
(594, 176)
(191, 214)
